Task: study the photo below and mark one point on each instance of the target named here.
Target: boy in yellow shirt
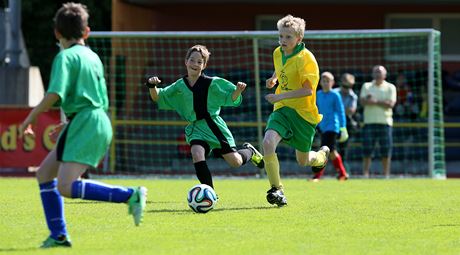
(295, 114)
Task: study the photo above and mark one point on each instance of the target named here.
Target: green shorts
(213, 131)
(294, 130)
(86, 138)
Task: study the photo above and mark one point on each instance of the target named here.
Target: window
(448, 24)
(267, 22)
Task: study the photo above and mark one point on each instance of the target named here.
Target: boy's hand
(343, 135)
(152, 82)
(272, 98)
(370, 99)
(54, 134)
(241, 86)
(26, 130)
(270, 83)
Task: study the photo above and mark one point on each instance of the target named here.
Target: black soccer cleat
(276, 196)
(326, 151)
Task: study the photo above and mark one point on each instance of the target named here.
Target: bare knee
(233, 159)
(65, 189)
(235, 163)
(197, 156)
(198, 153)
(269, 145)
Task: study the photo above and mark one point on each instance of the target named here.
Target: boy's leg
(318, 159)
(52, 202)
(237, 158)
(256, 157)
(242, 156)
(272, 166)
(275, 195)
(199, 162)
(338, 165)
(70, 186)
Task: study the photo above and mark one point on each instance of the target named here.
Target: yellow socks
(272, 166)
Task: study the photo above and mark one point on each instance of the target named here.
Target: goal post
(151, 141)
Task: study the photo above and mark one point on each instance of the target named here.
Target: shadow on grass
(97, 202)
(83, 202)
(447, 225)
(181, 211)
(19, 249)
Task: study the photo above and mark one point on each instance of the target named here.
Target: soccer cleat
(343, 177)
(326, 151)
(257, 159)
(276, 196)
(136, 204)
(317, 176)
(53, 243)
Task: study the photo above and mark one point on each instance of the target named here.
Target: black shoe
(276, 196)
(317, 169)
(257, 159)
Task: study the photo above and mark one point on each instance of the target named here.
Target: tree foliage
(37, 28)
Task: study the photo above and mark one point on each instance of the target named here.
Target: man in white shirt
(378, 98)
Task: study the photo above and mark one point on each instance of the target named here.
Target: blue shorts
(380, 134)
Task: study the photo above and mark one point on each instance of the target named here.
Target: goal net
(151, 141)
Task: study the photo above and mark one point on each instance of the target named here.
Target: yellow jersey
(292, 71)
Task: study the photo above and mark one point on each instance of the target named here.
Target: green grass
(418, 216)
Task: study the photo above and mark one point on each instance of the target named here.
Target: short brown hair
(200, 49)
(71, 20)
(348, 77)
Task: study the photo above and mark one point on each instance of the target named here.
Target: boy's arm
(271, 82)
(47, 102)
(240, 87)
(306, 90)
(341, 111)
(152, 83)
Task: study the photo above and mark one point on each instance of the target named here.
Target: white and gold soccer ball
(202, 198)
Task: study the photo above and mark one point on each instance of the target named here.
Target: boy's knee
(196, 156)
(235, 163)
(65, 189)
(269, 144)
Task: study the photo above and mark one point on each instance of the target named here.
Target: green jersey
(77, 76)
(200, 105)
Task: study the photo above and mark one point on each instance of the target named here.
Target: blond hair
(289, 21)
(327, 75)
(200, 49)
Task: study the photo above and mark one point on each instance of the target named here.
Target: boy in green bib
(78, 85)
(198, 99)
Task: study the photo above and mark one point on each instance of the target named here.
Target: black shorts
(217, 153)
(329, 138)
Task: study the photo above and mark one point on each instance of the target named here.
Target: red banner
(28, 151)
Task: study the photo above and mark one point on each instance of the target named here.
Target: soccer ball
(202, 198)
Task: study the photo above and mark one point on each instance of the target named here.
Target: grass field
(418, 216)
